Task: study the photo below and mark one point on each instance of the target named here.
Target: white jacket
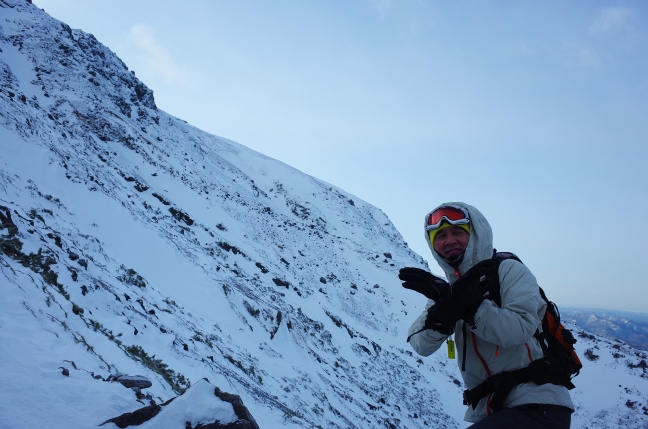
(503, 337)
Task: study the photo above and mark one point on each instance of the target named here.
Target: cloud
(155, 61)
(610, 20)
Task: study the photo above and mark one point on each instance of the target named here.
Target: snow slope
(140, 245)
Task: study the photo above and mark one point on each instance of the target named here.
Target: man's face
(450, 242)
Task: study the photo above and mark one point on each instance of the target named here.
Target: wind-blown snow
(144, 246)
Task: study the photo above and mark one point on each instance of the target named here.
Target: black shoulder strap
(505, 255)
(493, 275)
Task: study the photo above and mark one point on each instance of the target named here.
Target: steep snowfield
(141, 245)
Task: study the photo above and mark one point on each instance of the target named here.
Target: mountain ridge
(629, 327)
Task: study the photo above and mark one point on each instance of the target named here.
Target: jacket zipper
(474, 341)
(486, 368)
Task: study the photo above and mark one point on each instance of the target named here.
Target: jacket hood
(480, 244)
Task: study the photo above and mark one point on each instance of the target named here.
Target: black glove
(474, 275)
(423, 282)
(463, 303)
(432, 323)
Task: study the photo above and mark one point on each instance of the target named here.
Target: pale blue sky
(534, 112)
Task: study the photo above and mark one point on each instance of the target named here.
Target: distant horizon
(588, 309)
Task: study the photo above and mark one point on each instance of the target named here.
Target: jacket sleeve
(521, 312)
(424, 342)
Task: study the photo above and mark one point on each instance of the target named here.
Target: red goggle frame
(451, 214)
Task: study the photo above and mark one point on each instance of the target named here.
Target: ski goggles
(451, 214)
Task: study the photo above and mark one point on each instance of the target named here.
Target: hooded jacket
(501, 338)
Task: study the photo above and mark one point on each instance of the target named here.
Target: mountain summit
(137, 247)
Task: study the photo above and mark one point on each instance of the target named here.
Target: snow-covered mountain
(135, 244)
(630, 327)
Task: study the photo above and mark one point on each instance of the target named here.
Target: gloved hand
(432, 323)
(462, 303)
(423, 282)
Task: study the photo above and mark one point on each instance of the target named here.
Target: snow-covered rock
(202, 406)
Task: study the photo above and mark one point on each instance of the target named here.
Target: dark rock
(280, 282)
(263, 269)
(239, 424)
(161, 198)
(135, 418)
(245, 419)
(137, 381)
(97, 377)
(140, 187)
(65, 371)
(145, 95)
(181, 216)
(5, 216)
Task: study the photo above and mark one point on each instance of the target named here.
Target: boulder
(137, 381)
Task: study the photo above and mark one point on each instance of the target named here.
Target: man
(491, 338)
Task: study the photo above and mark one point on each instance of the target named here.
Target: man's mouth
(453, 252)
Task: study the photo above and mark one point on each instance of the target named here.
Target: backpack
(559, 364)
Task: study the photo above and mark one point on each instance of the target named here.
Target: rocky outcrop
(236, 416)
(245, 420)
(135, 418)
